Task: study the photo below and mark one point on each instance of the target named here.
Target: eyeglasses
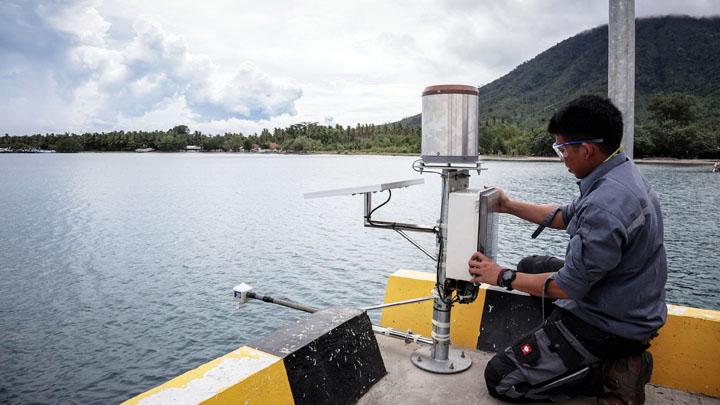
(559, 148)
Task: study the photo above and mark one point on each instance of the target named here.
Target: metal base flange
(457, 362)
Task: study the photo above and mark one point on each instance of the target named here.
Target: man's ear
(591, 150)
(587, 147)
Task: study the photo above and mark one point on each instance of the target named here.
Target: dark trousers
(563, 354)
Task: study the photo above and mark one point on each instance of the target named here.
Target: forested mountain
(673, 54)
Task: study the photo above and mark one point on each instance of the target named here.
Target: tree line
(300, 137)
(677, 127)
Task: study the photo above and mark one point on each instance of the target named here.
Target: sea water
(116, 270)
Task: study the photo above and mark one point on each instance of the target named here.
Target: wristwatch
(505, 278)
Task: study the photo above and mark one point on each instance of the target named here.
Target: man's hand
(503, 200)
(483, 269)
(528, 211)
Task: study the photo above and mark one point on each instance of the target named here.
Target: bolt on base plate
(457, 361)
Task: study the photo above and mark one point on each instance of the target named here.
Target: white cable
(441, 324)
(439, 337)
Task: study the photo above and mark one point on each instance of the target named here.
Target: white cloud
(81, 19)
(104, 81)
(249, 93)
(230, 65)
(156, 66)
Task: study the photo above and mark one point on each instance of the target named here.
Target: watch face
(507, 276)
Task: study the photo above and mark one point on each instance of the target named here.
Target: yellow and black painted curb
(330, 357)
(686, 353)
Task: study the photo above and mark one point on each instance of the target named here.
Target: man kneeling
(610, 289)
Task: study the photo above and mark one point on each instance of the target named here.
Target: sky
(240, 66)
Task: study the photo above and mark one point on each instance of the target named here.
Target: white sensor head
(240, 291)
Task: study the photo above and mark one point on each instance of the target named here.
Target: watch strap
(501, 281)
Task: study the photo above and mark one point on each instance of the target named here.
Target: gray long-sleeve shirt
(615, 266)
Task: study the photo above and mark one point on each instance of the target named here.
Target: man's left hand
(483, 269)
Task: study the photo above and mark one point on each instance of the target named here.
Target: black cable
(440, 288)
(378, 207)
(369, 215)
(423, 170)
(393, 225)
(413, 166)
(441, 250)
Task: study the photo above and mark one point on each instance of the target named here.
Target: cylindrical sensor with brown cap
(450, 124)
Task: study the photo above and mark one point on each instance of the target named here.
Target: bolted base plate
(457, 361)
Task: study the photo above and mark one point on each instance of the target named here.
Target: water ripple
(116, 270)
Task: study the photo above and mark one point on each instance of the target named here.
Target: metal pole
(283, 302)
(394, 304)
(441, 307)
(417, 245)
(406, 336)
(397, 226)
(440, 358)
(621, 66)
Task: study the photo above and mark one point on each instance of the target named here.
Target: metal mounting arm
(369, 222)
(244, 292)
(397, 227)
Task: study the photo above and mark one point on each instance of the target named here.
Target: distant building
(193, 148)
(144, 150)
(255, 148)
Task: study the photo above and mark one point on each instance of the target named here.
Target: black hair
(589, 117)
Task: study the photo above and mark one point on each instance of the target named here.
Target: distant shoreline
(654, 161)
(501, 158)
(491, 158)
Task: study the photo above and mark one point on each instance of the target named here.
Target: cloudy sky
(232, 65)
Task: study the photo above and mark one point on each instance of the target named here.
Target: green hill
(673, 54)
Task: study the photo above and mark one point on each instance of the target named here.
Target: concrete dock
(407, 384)
(332, 356)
